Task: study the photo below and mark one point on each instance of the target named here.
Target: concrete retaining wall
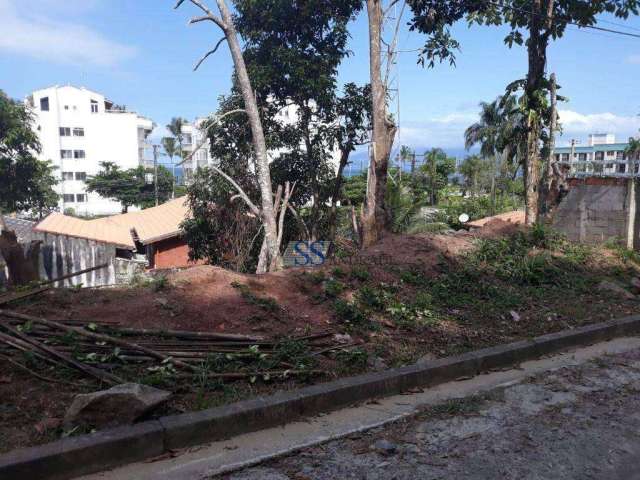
(599, 209)
(61, 255)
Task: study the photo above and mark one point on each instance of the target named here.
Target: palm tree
(175, 127)
(407, 154)
(499, 134)
(171, 150)
(631, 152)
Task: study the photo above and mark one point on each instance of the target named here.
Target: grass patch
(266, 303)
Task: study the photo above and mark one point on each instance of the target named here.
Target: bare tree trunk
(257, 133)
(537, 53)
(532, 159)
(375, 217)
(549, 170)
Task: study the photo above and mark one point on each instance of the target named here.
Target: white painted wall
(109, 135)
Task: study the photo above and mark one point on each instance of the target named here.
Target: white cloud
(633, 59)
(56, 41)
(447, 131)
(574, 123)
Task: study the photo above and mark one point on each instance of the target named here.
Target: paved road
(579, 422)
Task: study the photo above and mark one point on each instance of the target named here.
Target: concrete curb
(77, 456)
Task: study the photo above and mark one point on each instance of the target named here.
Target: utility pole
(155, 172)
(573, 153)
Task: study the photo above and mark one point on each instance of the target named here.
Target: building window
(619, 155)
(94, 106)
(622, 168)
(81, 198)
(565, 157)
(582, 157)
(65, 132)
(188, 139)
(78, 132)
(82, 176)
(68, 197)
(600, 156)
(66, 154)
(78, 154)
(44, 104)
(67, 175)
(66, 107)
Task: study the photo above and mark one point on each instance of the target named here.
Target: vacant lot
(408, 298)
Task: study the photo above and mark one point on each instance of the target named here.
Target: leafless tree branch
(209, 15)
(255, 210)
(210, 52)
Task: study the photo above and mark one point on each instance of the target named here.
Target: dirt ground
(410, 297)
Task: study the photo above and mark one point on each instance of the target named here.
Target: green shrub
(348, 312)
(372, 297)
(333, 288)
(360, 273)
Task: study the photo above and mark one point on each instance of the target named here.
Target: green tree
(175, 128)
(632, 152)
(496, 133)
(406, 154)
(171, 149)
(477, 172)
(293, 50)
(27, 183)
(131, 187)
(541, 21)
(435, 171)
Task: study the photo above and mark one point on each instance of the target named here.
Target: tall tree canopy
(27, 183)
(533, 23)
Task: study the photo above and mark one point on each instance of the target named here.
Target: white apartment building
(602, 156)
(78, 129)
(194, 136)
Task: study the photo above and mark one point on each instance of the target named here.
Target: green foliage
(349, 313)
(219, 229)
(359, 272)
(355, 189)
(372, 297)
(27, 183)
(478, 207)
(333, 288)
(266, 303)
(131, 187)
(352, 360)
(625, 254)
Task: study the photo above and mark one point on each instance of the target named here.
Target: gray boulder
(119, 405)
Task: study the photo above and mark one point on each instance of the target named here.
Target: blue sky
(141, 53)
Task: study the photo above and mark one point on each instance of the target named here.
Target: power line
(567, 20)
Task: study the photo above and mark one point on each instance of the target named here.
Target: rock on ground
(119, 405)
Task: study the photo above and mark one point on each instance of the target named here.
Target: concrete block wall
(598, 209)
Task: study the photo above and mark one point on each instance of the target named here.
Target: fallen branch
(94, 372)
(96, 336)
(20, 295)
(186, 334)
(37, 375)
